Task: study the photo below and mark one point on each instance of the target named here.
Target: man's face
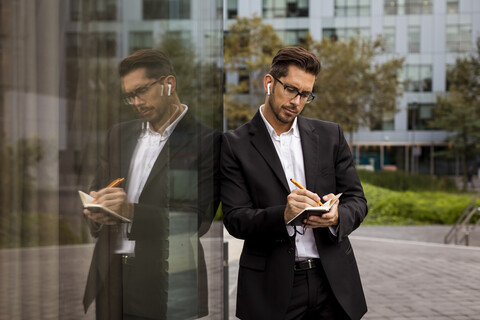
(149, 102)
(283, 108)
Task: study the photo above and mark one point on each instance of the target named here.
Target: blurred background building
(429, 34)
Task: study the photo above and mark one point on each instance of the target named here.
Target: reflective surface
(60, 93)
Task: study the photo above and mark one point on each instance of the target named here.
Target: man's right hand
(114, 199)
(298, 200)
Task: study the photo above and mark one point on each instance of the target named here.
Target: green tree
(458, 111)
(199, 82)
(355, 88)
(249, 46)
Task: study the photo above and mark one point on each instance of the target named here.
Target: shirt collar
(147, 130)
(293, 129)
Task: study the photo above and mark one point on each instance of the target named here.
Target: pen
(115, 183)
(302, 187)
(112, 184)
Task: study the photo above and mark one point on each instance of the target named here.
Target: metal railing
(461, 230)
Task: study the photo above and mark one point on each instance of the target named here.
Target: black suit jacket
(183, 181)
(254, 192)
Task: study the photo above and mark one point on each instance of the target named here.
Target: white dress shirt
(289, 150)
(150, 144)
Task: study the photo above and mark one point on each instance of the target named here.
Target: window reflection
(352, 8)
(59, 96)
(285, 8)
(413, 39)
(344, 34)
(389, 35)
(394, 7)
(459, 38)
(419, 78)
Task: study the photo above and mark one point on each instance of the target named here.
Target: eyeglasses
(292, 92)
(129, 98)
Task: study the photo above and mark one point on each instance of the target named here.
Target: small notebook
(314, 211)
(87, 202)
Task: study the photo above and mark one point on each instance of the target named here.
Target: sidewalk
(407, 273)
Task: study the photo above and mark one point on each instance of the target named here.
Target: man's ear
(267, 83)
(171, 82)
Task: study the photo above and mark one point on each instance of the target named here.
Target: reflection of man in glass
(153, 267)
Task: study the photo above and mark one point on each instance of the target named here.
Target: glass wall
(64, 128)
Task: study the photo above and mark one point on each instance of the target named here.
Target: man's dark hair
(297, 56)
(155, 62)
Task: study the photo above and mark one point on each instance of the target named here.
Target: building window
(105, 10)
(419, 116)
(387, 123)
(394, 7)
(99, 44)
(232, 9)
(414, 39)
(389, 36)
(419, 78)
(452, 6)
(344, 34)
(459, 38)
(348, 8)
(103, 44)
(166, 9)
(140, 40)
(285, 8)
(448, 83)
(292, 37)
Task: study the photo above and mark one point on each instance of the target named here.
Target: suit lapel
(262, 142)
(310, 147)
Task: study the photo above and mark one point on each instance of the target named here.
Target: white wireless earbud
(268, 88)
(169, 89)
(162, 90)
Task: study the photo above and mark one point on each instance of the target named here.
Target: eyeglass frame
(309, 98)
(135, 93)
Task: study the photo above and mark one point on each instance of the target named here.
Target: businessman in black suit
(169, 161)
(287, 272)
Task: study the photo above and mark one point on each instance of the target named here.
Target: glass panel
(419, 116)
(413, 39)
(452, 6)
(390, 7)
(232, 9)
(389, 34)
(284, 8)
(352, 7)
(64, 128)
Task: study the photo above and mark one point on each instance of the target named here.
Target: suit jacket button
(291, 250)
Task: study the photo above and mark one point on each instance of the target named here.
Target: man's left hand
(328, 219)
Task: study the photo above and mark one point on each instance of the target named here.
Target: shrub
(401, 181)
(407, 208)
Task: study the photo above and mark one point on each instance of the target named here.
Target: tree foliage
(458, 111)
(249, 47)
(354, 87)
(199, 82)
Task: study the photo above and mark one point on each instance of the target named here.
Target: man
(286, 272)
(168, 160)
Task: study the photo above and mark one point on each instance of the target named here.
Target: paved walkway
(407, 273)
